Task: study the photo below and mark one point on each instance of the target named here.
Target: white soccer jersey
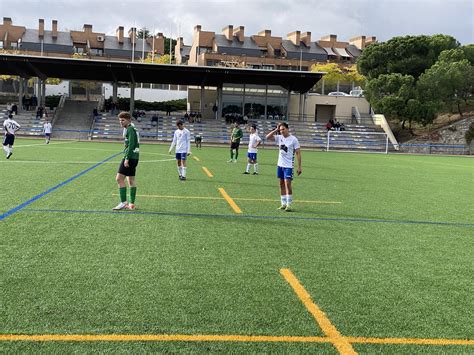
(287, 147)
(254, 139)
(47, 127)
(182, 141)
(10, 126)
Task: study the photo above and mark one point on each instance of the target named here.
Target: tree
(396, 96)
(450, 80)
(335, 73)
(410, 55)
(143, 33)
(167, 45)
(164, 59)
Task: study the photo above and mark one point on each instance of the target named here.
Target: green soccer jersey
(132, 143)
(237, 134)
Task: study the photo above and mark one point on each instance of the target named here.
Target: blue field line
(230, 216)
(37, 197)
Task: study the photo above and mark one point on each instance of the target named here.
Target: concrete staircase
(74, 120)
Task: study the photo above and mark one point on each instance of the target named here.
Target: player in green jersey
(235, 137)
(129, 163)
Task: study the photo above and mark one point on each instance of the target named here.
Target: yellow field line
(225, 338)
(339, 342)
(196, 158)
(206, 170)
(235, 198)
(230, 201)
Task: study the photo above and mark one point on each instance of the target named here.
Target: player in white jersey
(182, 141)
(47, 128)
(10, 126)
(288, 147)
(254, 142)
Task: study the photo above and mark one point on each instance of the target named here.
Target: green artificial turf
(393, 257)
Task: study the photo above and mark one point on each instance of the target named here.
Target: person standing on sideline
(288, 147)
(254, 142)
(47, 128)
(127, 168)
(182, 141)
(235, 137)
(10, 126)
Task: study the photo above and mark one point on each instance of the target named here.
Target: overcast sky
(345, 18)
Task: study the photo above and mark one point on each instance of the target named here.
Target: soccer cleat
(246, 172)
(183, 178)
(235, 160)
(9, 155)
(180, 177)
(230, 161)
(255, 173)
(288, 208)
(120, 206)
(131, 206)
(282, 207)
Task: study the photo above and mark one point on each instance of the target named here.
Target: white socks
(255, 168)
(289, 199)
(182, 171)
(283, 200)
(7, 150)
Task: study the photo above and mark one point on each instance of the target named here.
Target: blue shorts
(284, 173)
(252, 156)
(181, 156)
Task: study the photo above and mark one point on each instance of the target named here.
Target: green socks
(123, 194)
(133, 194)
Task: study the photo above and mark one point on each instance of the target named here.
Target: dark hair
(254, 126)
(126, 115)
(179, 123)
(284, 124)
(10, 115)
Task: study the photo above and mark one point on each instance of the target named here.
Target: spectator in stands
(337, 125)
(9, 108)
(215, 109)
(14, 109)
(154, 120)
(342, 127)
(39, 112)
(186, 117)
(95, 113)
(329, 125)
(198, 117)
(34, 101)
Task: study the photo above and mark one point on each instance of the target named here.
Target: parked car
(358, 92)
(338, 93)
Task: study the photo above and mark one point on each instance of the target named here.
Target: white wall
(140, 94)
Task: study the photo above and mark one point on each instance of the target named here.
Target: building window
(97, 51)
(79, 50)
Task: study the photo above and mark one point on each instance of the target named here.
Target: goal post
(376, 142)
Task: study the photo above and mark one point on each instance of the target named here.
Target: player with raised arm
(288, 147)
(10, 126)
(254, 142)
(127, 168)
(182, 141)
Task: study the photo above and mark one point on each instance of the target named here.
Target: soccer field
(377, 256)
